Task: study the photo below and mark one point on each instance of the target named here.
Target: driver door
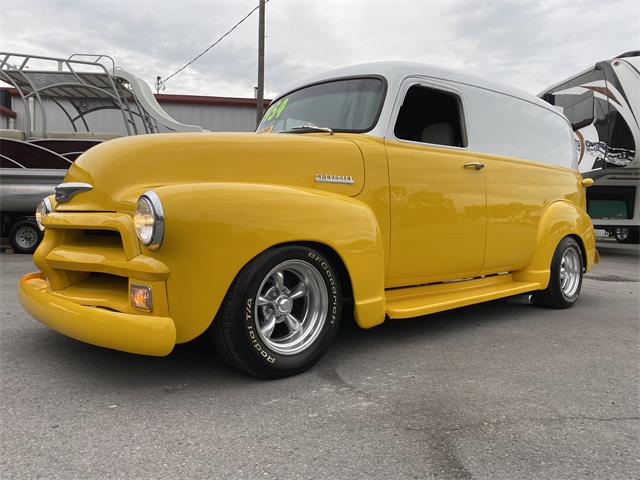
(438, 201)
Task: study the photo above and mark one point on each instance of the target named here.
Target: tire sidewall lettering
(254, 339)
(332, 286)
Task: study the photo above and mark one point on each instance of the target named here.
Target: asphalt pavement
(493, 391)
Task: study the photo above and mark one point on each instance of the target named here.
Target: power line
(210, 46)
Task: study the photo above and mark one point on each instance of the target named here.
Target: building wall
(217, 118)
(210, 116)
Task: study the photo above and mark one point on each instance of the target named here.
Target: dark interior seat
(440, 133)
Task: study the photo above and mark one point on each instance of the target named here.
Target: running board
(426, 299)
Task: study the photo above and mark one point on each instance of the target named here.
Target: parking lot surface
(493, 391)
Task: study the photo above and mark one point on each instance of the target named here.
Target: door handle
(474, 165)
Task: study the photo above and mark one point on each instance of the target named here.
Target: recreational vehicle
(603, 105)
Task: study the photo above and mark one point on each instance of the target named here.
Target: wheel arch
(336, 260)
(559, 220)
(583, 250)
(343, 271)
(237, 222)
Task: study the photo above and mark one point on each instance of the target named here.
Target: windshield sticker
(276, 110)
(267, 129)
(269, 115)
(281, 107)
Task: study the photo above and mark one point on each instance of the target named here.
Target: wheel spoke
(570, 272)
(300, 290)
(268, 326)
(278, 278)
(292, 323)
(262, 301)
(291, 307)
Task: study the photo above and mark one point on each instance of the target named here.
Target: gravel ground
(494, 391)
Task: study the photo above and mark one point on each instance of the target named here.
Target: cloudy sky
(526, 44)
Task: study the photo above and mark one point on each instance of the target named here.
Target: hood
(120, 170)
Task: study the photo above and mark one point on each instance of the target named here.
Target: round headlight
(43, 208)
(149, 220)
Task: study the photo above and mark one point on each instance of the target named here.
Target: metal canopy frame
(82, 80)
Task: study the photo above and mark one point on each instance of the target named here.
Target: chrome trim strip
(47, 210)
(47, 204)
(158, 226)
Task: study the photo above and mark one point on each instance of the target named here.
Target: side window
(433, 116)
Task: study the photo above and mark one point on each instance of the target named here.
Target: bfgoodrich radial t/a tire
(280, 314)
(565, 282)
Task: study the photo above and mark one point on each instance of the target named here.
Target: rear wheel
(280, 314)
(567, 268)
(24, 236)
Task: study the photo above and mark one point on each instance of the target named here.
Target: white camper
(603, 105)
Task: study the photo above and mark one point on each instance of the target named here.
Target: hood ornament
(66, 191)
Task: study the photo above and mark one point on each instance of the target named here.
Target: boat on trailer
(34, 159)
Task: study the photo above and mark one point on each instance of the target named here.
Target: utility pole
(260, 99)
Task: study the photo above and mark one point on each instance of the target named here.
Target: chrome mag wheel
(291, 307)
(570, 272)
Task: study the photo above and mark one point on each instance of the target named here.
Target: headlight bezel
(157, 226)
(42, 210)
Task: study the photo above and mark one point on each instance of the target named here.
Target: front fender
(560, 219)
(213, 230)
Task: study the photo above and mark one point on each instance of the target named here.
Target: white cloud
(528, 45)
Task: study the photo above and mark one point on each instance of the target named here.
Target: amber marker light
(140, 296)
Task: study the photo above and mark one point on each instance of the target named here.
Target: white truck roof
(500, 120)
(396, 71)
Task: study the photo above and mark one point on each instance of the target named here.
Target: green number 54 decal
(276, 110)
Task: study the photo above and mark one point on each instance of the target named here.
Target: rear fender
(560, 219)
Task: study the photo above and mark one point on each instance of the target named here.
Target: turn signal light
(140, 296)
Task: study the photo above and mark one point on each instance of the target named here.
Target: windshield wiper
(308, 129)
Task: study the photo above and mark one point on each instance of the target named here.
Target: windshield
(350, 105)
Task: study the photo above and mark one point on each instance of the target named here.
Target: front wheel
(280, 314)
(567, 267)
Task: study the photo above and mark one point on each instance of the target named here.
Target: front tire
(280, 314)
(567, 267)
